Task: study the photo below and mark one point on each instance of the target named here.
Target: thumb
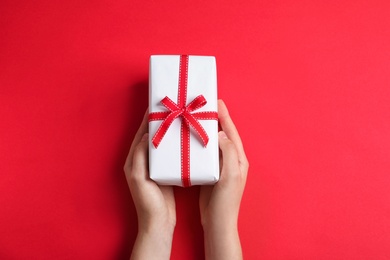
(230, 166)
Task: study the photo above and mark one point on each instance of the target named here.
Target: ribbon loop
(169, 104)
(197, 103)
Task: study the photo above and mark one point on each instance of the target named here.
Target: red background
(307, 83)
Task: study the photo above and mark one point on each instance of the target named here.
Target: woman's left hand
(155, 204)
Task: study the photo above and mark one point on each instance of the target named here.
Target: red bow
(190, 119)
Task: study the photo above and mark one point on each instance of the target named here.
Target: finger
(141, 131)
(140, 159)
(230, 129)
(143, 128)
(230, 167)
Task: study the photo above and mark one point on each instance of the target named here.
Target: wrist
(213, 231)
(217, 224)
(156, 236)
(222, 242)
(158, 227)
(153, 241)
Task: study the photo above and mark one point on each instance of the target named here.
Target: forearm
(222, 243)
(153, 244)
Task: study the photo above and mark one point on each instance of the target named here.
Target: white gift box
(165, 162)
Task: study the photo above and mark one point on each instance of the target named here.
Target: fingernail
(145, 137)
(222, 135)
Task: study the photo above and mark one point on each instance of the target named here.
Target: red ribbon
(188, 119)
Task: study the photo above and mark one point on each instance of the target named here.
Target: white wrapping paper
(165, 161)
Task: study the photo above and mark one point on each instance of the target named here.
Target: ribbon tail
(191, 121)
(161, 131)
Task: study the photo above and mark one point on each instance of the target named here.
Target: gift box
(183, 120)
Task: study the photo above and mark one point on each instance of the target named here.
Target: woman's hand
(155, 204)
(220, 204)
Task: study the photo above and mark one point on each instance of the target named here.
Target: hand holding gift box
(183, 149)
